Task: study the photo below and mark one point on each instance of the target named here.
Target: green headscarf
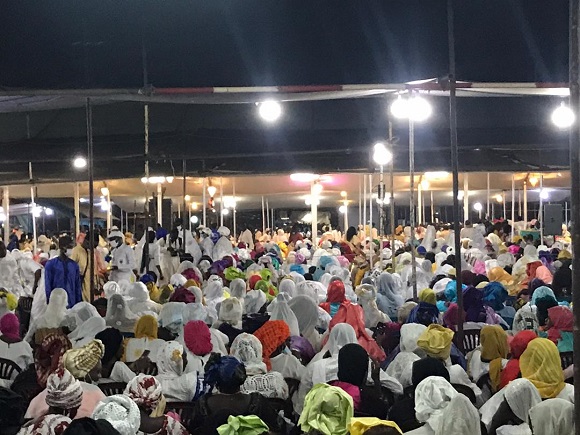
(243, 425)
(326, 409)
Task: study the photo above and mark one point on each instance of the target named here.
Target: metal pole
(267, 214)
(488, 204)
(185, 211)
(314, 214)
(519, 204)
(6, 207)
(234, 211)
(412, 203)
(33, 205)
(263, 217)
(465, 198)
(364, 183)
(77, 209)
(575, 188)
(433, 209)
(371, 245)
(513, 204)
(359, 203)
(122, 221)
(420, 203)
(159, 204)
(109, 211)
(454, 161)
(381, 198)
(525, 204)
(541, 211)
(90, 162)
(204, 200)
(221, 202)
(392, 193)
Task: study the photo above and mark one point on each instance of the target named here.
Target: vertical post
(178, 209)
(392, 193)
(90, 162)
(263, 217)
(360, 221)
(519, 204)
(33, 204)
(412, 203)
(371, 245)
(420, 203)
(575, 187)
(159, 204)
(314, 214)
(381, 198)
(234, 211)
(488, 188)
(513, 204)
(267, 214)
(204, 200)
(186, 219)
(221, 202)
(109, 211)
(77, 209)
(364, 182)
(465, 198)
(454, 160)
(525, 204)
(504, 217)
(6, 207)
(566, 213)
(273, 222)
(541, 212)
(433, 208)
(122, 220)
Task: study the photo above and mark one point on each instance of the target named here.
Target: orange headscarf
(272, 335)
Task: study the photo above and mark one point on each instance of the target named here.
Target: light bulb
(381, 155)
(80, 162)
(400, 108)
(563, 117)
(317, 189)
(270, 110)
(211, 190)
(477, 206)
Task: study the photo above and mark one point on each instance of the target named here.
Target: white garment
(248, 350)
(341, 335)
(281, 311)
(54, 314)
(367, 295)
(222, 248)
(119, 315)
(461, 418)
(135, 348)
(9, 277)
(27, 268)
(432, 396)
(288, 366)
(141, 303)
(458, 376)
(124, 260)
(171, 317)
(248, 238)
(190, 246)
(521, 395)
(271, 385)
(522, 429)
(86, 331)
(401, 368)
(20, 353)
(553, 416)
(410, 333)
(306, 311)
(177, 385)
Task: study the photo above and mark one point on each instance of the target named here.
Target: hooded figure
(53, 315)
(389, 297)
(223, 246)
(367, 296)
(141, 303)
(119, 315)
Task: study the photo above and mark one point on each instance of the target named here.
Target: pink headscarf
(197, 337)
(10, 326)
(544, 274)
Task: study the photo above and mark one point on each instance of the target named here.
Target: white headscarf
(79, 314)
(306, 312)
(389, 297)
(141, 303)
(553, 416)
(254, 300)
(55, 310)
(410, 333)
(461, 418)
(248, 350)
(341, 335)
(231, 312)
(171, 316)
(297, 277)
(87, 331)
(281, 311)
(432, 396)
(119, 315)
(110, 288)
(121, 411)
(170, 360)
(214, 290)
(238, 288)
(177, 280)
(521, 395)
(367, 295)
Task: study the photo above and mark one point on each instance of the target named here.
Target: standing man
(179, 245)
(62, 272)
(123, 262)
(81, 254)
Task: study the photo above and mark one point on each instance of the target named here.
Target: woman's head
(493, 341)
(353, 364)
(554, 416)
(85, 362)
(540, 363)
(10, 326)
(145, 391)
(248, 350)
(64, 393)
(520, 342)
(121, 412)
(225, 373)
(170, 359)
(49, 355)
(146, 327)
(426, 367)
(272, 334)
(350, 233)
(436, 341)
(197, 337)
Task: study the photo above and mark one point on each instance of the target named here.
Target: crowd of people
(204, 332)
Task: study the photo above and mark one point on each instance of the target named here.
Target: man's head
(178, 223)
(3, 250)
(65, 242)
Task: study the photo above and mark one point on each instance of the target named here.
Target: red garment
(354, 316)
(253, 281)
(350, 389)
(335, 294)
(517, 346)
(562, 320)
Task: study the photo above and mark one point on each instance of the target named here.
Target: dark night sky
(85, 43)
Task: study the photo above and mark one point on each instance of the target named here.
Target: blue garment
(65, 274)
(334, 306)
(161, 233)
(424, 314)
(494, 295)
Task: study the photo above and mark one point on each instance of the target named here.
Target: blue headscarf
(388, 298)
(451, 291)
(542, 292)
(494, 295)
(424, 313)
(221, 372)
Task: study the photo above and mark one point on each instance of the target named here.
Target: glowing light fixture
(381, 155)
(425, 185)
(187, 198)
(544, 194)
(342, 209)
(211, 190)
(303, 177)
(48, 211)
(438, 175)
(343, 194)
(194, 219)
(563, 117)
(415, 108)
(80, 162)
(226, 211)
(104, 191)
(477, 206)
(270, 110)
(157, 180)
(317, 189)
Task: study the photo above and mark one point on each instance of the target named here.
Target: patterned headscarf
(146, 391)
(49, 355)
(221, 372)
(122, 412)
(248, 349)
(170, 359)
(272, 335)
(63, 391)
(50, 424)
(82, 360)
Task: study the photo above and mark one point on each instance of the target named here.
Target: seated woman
(248, 350)
(227, 375)
(560, 327)
(52, 318)
(518, 398)
(145, 341)
(401, 368)
(335, 298)
(85, 365)
(230, 318)
(119, 315)
(426, 312)
(367, 298)
(306, 312)
(352, 378)
(147, 393)
(141, 302)
(198, 346)
(490, 357)
(327, 410)
(64, 395)
(12, 347)
(518, 345)
(177, 385)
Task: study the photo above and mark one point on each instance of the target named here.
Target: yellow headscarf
(540, 364)
(359, 425)
(154, 291)
(494, 347)
(498, 274)
(428, 295)
(564, 255)
(436, 341)
(146, 327)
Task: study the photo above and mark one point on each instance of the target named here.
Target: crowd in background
(178, 332)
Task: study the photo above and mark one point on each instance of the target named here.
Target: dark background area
(87, 44)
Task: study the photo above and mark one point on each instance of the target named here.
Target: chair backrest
(185, 410)
(8, 369)
(567, 359)
(470, 340)
(112, 388)
(149, 369)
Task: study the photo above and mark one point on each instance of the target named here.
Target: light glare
(381, 155)
(80, 162)
(270, 110)
(563, 117)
